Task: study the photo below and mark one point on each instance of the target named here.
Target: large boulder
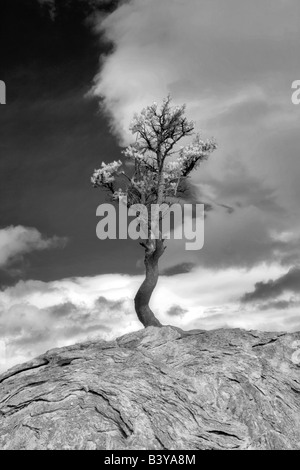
(158, 388)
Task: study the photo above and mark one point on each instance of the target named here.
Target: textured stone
(158, 388)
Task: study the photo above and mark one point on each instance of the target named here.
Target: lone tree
(153, 177)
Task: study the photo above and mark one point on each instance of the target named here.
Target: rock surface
(157, 388)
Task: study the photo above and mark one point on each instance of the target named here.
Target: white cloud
(210, 54)
(15, 241)
(232, 63)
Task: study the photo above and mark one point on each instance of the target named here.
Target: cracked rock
(157, 388)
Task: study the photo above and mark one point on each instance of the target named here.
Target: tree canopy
(154, 166)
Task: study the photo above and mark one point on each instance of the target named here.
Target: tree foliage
(155, 165)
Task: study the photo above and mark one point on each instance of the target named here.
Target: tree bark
(153, 251)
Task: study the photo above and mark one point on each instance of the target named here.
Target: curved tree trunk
(153, 252)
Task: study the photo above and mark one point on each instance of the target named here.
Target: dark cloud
(176, 311)
(102, 302)
(178, 269)
(63, 310)
(289, 282)
(279, 304)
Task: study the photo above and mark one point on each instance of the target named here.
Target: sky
(75, 73)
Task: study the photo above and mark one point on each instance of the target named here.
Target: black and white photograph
(149, 227)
